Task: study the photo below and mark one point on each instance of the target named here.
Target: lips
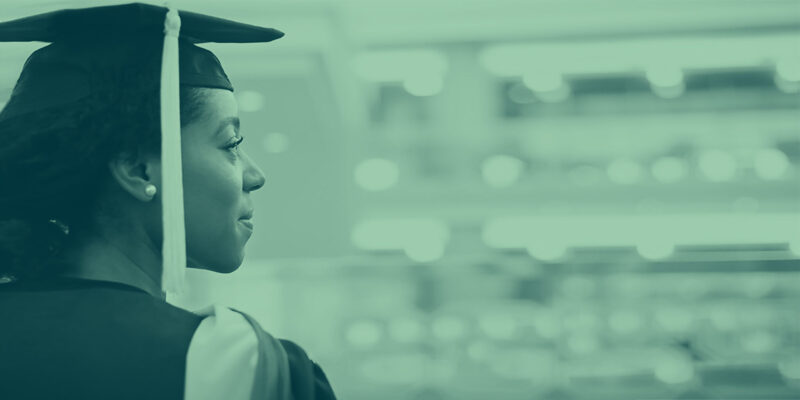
(247, 222)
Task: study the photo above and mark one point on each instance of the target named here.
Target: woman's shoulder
(308, 379)
(90, 337)
(96, 305)
(249, 363)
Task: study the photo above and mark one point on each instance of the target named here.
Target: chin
(219, 266)
(225, 269)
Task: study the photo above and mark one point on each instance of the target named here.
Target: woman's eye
(235, 143)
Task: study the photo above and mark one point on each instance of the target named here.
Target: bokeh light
(423, 85)
(543, 81)
(794, 246)
(771, 164)
(547, 86)
(377, 174)
(655, 248)
(425, 249)
(788, 69)
(664, 76)
(759, 342)
(789, 366)
(666, 82)
(669, 169)
(250, 101)
(582, 343)
(502, 170)
(364, 334)
(546, 249)
(674, 368)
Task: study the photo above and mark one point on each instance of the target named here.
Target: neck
(117, 257)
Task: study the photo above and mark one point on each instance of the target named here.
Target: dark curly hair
(53, 167)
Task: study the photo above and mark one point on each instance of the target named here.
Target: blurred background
(512, 199)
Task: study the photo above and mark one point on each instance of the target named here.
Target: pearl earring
(150, 190)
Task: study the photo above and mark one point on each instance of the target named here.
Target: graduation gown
(66, 338)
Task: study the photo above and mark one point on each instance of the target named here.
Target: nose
(253, 175)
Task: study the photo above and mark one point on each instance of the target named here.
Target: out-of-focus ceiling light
(424, 85)
(543, 81)
(664, 76)
(794, 247)
(771, 164)
(788, 69)
(626, 56)
(666, 82)
(502, 170)
(364, 334)
(787, 75)
(425, 249)
(250, 101)
(789, 366)
(583, 343)
(545, 248)
(421, 239)
(674, 369)
(669, 92)
(652, 249)
(548, 86)
(790, 87)
(377, 174)
(669, 169)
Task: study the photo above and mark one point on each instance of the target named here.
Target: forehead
(209, 108)
(217, 104)
(215, 109)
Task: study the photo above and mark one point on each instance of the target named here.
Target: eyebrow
(228, 121)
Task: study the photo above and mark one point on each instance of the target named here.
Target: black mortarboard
(98, 49)
(127, 48)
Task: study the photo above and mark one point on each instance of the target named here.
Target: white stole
(230, 357)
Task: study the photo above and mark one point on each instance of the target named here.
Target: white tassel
(174, 245)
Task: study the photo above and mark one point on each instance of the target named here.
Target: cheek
(212, 198)
(212, 185)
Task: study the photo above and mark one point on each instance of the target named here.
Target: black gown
(66, 338)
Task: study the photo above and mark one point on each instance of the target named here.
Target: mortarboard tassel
(174, 238)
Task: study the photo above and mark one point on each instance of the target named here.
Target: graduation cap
(91, 47)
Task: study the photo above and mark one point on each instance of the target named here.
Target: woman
(91, 216)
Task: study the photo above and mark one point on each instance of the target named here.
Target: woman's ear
(134, 174)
